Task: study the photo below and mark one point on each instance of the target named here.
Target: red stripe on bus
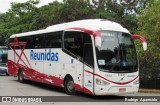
(118, 83)
(82, 89)
(34, 75)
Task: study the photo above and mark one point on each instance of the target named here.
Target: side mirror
(144, 46)
(143, 40)
(98, 39)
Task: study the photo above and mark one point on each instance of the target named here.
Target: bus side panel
(12, 66)
(88, 80)
(75, 69)
(72, 67)
(34, 75)
(53, 73)
(80, 77)
(53, 69)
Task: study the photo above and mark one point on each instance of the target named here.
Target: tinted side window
(38, 41)
(88, 51)
(87, 38)
(11, 40)
(88, 55)
(54, 40)
(27, 39)
(73, 42)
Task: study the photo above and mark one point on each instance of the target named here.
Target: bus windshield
(117, 53)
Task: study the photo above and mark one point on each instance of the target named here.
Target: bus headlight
(136, 82)
(101, 82)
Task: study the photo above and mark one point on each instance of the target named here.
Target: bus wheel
(69, 86)
(20, 76)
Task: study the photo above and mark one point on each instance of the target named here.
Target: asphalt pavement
(37, 94)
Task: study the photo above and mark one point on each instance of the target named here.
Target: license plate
(122, 89)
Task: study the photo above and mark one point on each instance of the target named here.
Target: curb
(149, 91)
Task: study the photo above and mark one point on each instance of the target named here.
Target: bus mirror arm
(143, 40)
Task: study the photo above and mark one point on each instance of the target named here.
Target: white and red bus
(95, 56)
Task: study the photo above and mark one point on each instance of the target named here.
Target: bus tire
(20, 76)
(69, 86)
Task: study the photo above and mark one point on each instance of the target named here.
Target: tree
(19, 9)
(18, 19)
(47, 15)
(149, 24)
(121, 11)
(23, 17)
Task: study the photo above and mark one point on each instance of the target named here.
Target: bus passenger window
(54, 40)
(28, 40)
(73, 42)
(38, 41)
(11, 40)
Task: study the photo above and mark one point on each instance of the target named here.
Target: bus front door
(88, 69)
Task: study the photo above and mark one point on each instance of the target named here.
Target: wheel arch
(67, 76)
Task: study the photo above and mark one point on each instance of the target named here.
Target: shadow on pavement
(79, 97)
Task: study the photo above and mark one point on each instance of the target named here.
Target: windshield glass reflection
(117, 53)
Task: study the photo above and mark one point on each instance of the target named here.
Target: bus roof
(90, 24)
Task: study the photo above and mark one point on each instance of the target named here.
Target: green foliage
(37, 18)
(46, 15)
(19, 9)
(149, 24)
(18, 19)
